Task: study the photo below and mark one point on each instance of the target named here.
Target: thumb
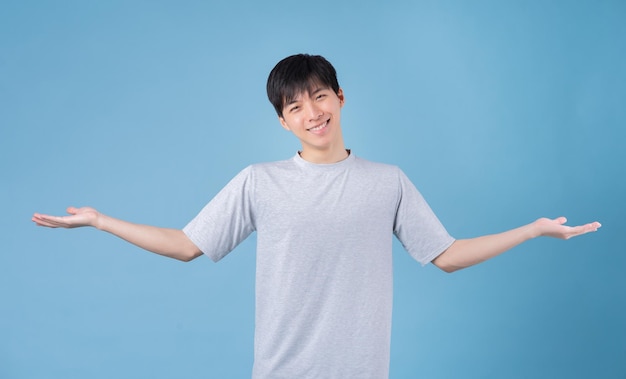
(72, 210)
(561, 220)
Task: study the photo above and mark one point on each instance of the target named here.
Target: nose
(314, 112)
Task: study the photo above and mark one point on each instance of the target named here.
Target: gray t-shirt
(324, 263)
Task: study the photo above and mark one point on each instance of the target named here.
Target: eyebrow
(311, 93)
(319, 89)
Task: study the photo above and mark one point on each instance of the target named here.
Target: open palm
(78, 217)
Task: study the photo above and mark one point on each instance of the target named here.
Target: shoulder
(253, 171)
(271, 171)
(270, 167)
(377, 168)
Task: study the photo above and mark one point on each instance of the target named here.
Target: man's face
(314, 118)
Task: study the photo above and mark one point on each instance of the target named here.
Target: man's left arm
(468, 252)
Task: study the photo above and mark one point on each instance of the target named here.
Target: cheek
(292, 123)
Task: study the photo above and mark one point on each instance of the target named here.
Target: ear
(283, 123)
(341, 97)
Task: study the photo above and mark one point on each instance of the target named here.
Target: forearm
(172, 243)
(468, 252)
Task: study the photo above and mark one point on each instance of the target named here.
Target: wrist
(534, 229)
(100, 221)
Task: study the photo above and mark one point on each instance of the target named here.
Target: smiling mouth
(319, 127)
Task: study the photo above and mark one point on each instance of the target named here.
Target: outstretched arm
(468, 252)
(171, 243)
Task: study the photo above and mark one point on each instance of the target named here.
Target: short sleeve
(416, 226)
(226, 220)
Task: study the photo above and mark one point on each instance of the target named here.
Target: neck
(326, 156)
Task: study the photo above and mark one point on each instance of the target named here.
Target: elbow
(448, 261)
(188, 251)
(447, 268)
(188, 257)
(446, 265)
(185, 258)
(188, 254)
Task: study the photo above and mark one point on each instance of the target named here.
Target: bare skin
(171, 243)
(175, 244)
(315, 119)
(468, 252)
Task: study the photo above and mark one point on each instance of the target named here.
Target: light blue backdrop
(499, 111)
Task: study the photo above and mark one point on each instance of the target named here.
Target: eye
(321, 96)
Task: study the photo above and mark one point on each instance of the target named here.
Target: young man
(325, 221)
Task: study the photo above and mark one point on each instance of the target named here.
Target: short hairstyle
(296, 74)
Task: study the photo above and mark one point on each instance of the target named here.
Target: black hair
(296, 74)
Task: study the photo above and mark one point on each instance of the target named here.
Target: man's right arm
(168, 242)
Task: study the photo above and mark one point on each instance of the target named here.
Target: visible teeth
(317, 127)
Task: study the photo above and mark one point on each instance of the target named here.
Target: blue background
(500, 112)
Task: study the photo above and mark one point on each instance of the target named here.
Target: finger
(42, 220)
(38, 218)
(592, 227)
(57, 221)
(583, 229)
(561, 220)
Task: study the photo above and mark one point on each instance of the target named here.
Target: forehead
(297, 91)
